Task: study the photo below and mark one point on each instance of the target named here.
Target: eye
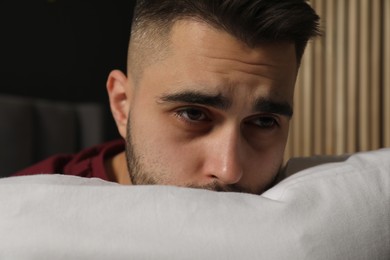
(265, 122)
(192, 114)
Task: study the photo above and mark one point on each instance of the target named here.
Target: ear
(119, 91)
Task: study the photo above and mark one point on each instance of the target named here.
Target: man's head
(208, 94)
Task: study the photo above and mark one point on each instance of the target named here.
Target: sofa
(31, 129)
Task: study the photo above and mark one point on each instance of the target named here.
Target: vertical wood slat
(364, 76)
(340, 83)
(386, 74)
(330, 78)
(352, 85)
(318, 88)
(375, 84)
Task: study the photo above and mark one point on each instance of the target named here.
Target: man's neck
(116, 169)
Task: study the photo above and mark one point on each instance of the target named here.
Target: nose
(223, 157)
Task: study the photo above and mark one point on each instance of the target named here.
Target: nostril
(212, 176)
(226, 177)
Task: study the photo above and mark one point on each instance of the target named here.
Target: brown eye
(265, 122)
(192, 114)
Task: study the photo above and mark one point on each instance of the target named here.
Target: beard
(140, 176)
(137, 175)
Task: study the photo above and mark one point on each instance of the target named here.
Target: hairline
(162, 42)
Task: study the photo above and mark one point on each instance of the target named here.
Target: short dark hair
(251, 21)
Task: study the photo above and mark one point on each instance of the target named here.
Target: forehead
(212, 60)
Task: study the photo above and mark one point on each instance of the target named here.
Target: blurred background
(63, 50)
(55, 56)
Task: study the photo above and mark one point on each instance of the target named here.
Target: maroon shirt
(88, 163)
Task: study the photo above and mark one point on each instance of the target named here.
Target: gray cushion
(33, 129)
(333, 211)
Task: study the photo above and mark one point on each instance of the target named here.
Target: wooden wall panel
(342, 98)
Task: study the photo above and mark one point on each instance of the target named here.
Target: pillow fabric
(333, 211)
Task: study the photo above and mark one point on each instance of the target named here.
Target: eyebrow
(218, 101)
(269, 106)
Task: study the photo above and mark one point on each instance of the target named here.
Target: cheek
(160, 148)
(263, 171)
(272, 154)
(264, 164)
(268, 142)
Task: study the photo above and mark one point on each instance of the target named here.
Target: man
(207, 98)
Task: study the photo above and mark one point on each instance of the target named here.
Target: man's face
(213, 114)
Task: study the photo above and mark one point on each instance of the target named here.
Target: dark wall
(63, 49)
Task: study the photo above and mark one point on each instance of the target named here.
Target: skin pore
(212, 114)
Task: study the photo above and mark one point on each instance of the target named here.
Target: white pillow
(333, 211)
